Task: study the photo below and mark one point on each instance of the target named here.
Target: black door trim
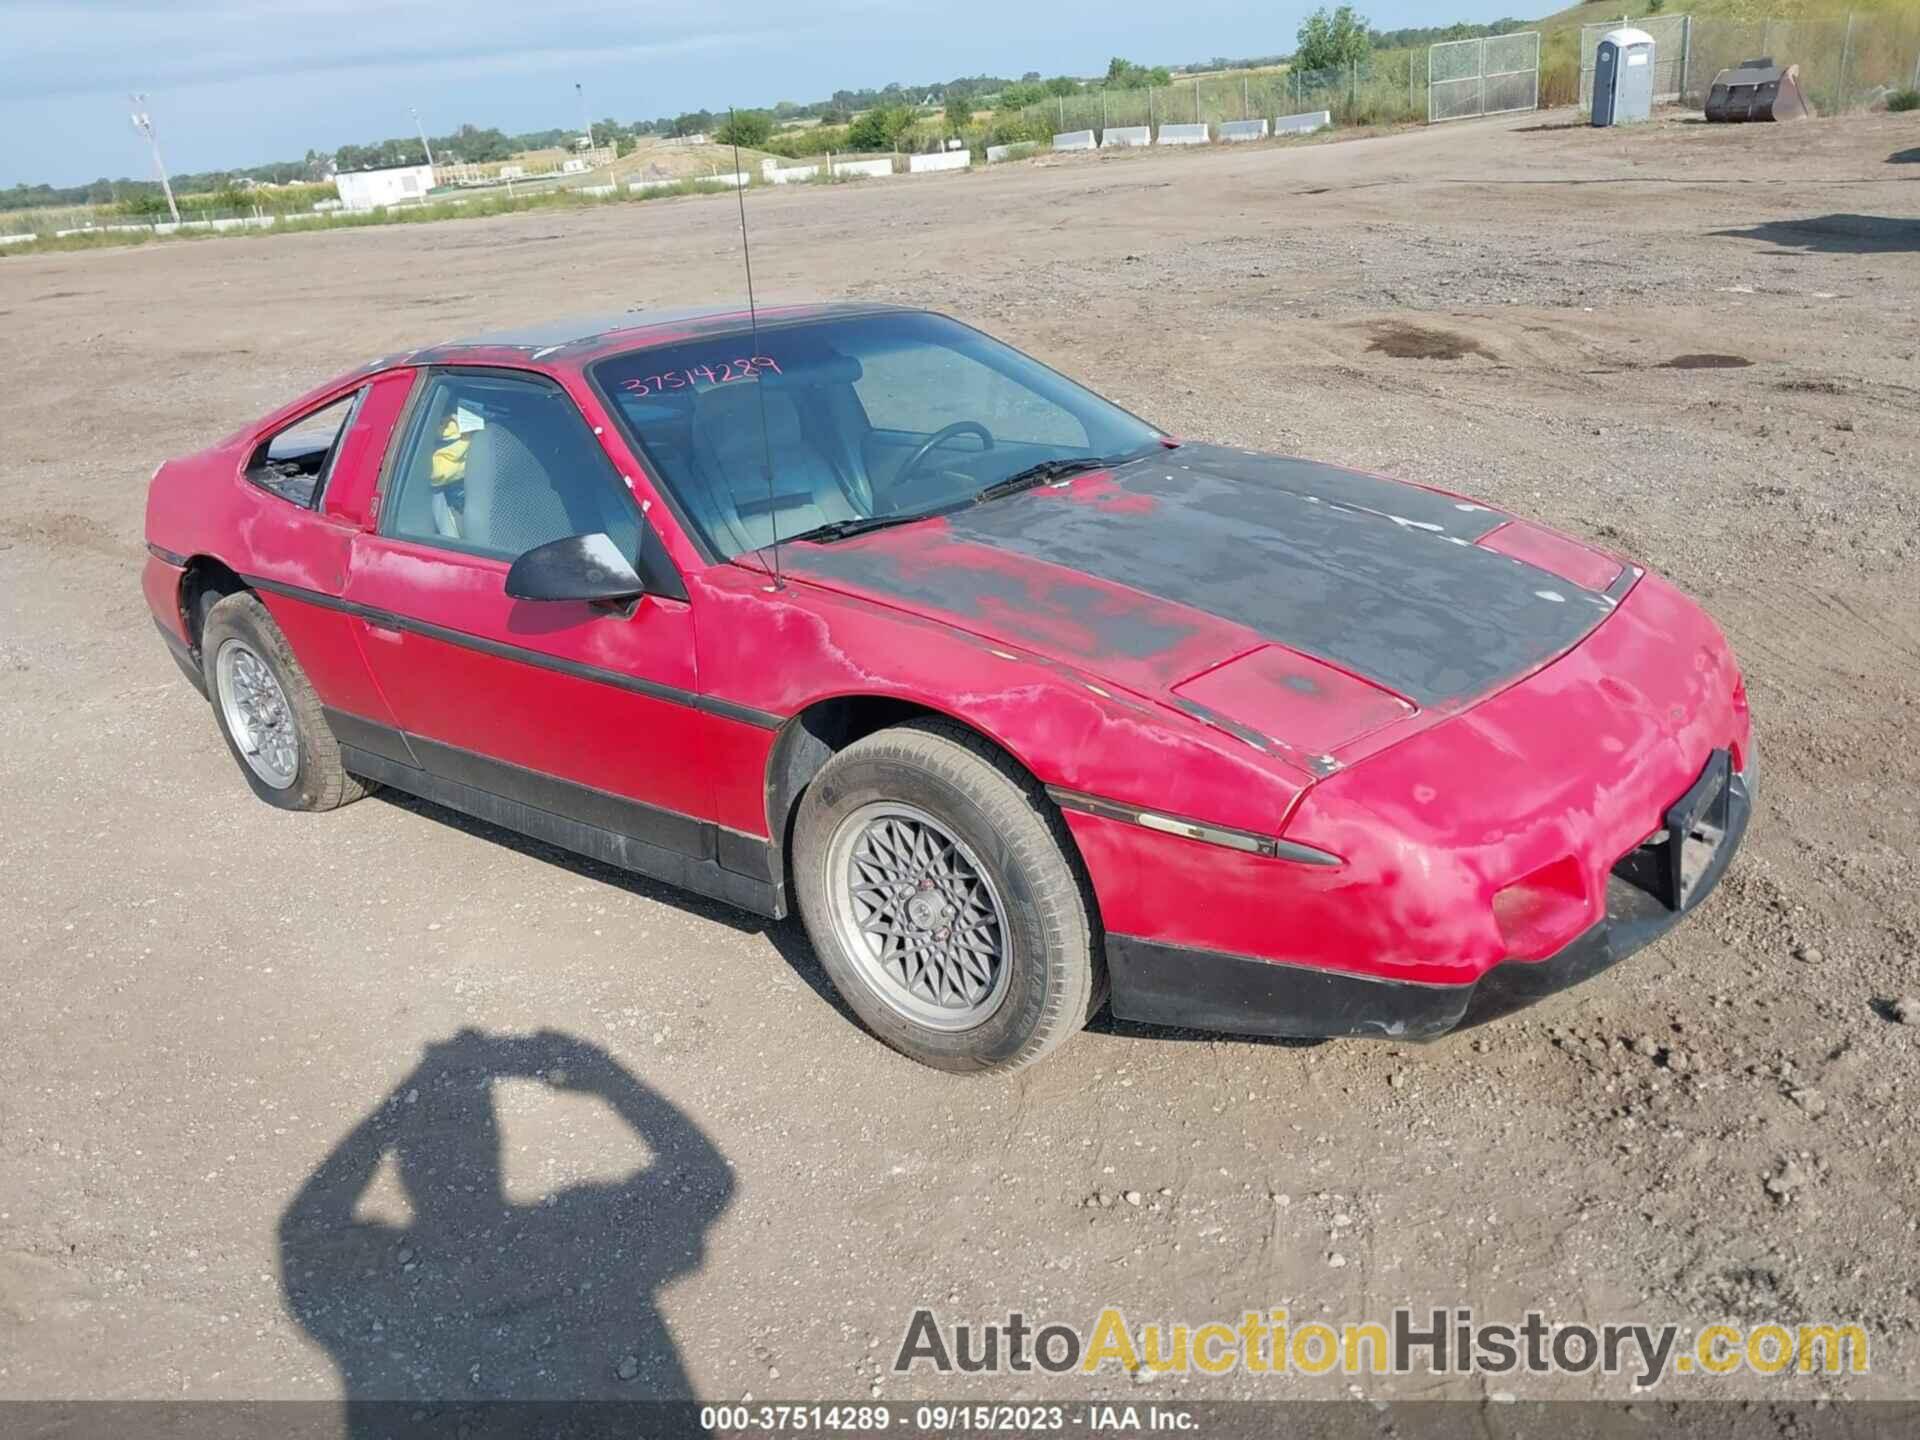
(707, 704)
(668, 845)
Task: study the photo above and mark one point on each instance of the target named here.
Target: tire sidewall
(243, 618)
(857, 780)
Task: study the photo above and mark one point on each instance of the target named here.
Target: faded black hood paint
(1382, 579)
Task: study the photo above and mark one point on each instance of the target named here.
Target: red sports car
(1017, 699)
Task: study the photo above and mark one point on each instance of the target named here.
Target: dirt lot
(224, 1020)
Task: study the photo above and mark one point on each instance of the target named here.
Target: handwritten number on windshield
(721, 373)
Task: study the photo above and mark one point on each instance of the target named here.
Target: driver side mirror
(578, 567)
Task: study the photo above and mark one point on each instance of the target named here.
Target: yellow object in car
(450, 459)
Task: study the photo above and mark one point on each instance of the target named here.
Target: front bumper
(1164, 984)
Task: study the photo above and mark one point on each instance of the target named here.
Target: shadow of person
(474, 1297)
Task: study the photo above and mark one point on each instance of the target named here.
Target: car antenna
(753, 327)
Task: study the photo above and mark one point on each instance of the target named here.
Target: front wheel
(936, 884)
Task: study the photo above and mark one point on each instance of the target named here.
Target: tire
(932, 780)
(296, 764)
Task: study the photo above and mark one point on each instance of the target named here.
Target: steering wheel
(939, 438)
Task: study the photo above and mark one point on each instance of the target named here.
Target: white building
(370, 189)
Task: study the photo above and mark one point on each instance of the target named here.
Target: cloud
(107, 48)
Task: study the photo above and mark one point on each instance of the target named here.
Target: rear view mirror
(579, 567)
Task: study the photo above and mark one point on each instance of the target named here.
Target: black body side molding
(666, 845)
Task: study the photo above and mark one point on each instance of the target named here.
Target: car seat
(512, 503)
(732, 461)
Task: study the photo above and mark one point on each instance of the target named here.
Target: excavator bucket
(1758, 90)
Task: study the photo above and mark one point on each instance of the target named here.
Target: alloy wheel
(257, 714)
(918, 914)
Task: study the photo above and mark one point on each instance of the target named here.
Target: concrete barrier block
(996, 154)
(1234, 131)
(791, 174)
(951, 160)
(873, 169)
(1074, 140)
(1304, 124)
(1125, 137)
(1183, 135)
(736, 181)
(17, 239)
(597, 189)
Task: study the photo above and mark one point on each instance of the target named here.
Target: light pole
(421, 127)
(584, 120)
(143, 122)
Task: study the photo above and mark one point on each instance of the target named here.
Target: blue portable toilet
(1623, 77)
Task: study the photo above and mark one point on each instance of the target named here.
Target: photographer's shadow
(474, 1297)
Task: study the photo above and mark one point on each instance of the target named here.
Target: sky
(233, 84)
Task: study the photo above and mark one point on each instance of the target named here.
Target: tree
(880, 128)
(1329, 41)
(959, 113)
(747, 127)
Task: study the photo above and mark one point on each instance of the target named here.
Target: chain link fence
(1493, 75)
(1384, 88)
(1847, 63)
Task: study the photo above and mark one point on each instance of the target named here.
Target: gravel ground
(230, 1027)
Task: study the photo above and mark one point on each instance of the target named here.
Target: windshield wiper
(1026, 479)
(842, 529)
(1040, 474)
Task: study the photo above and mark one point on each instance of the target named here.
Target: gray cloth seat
(732, 459)
(531, 478)
(512, 504)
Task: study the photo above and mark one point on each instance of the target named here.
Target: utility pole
(587, 123)
(1846, 49)
(143, 122)
(421, 127)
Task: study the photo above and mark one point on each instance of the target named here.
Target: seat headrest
(811, 370)
(741, 405)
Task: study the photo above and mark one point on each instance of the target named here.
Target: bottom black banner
(1215, 1420)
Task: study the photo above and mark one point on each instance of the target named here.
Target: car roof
(571, 343)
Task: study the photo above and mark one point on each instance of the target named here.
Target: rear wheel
(935, 881)
(267, 712)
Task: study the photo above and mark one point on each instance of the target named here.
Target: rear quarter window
(293, 462)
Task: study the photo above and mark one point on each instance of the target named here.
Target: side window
(293, 461)
(923, 388)
(496, 465)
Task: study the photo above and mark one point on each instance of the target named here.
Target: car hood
(1291, 600)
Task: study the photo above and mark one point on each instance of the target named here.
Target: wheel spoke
(919, 916)
(258, 716)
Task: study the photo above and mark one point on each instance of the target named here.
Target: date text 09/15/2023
(942, 1419)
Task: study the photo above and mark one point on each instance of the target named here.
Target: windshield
(868, 418)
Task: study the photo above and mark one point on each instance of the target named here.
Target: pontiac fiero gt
(1016, 699)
